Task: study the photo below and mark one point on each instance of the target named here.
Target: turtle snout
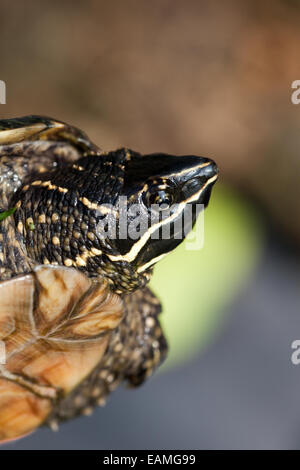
(208, 170)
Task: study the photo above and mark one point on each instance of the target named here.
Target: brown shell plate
(55, 326)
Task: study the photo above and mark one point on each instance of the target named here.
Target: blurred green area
(196, 287)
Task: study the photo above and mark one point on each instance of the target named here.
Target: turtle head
(160, 200)
(113, 214)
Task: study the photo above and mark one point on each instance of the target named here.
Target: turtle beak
(197, 179)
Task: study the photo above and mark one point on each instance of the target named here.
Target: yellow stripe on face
(186, 171)
(150, 263)
(137, 247)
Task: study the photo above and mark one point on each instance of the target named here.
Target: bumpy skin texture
(130, 350)
(19, 162)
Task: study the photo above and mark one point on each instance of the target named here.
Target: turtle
(76, 315)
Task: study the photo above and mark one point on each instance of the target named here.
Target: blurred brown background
(210, 78)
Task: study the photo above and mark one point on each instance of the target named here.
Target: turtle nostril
(208, 170)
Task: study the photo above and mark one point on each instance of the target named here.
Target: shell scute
(57, 292)
(16, 302)
(20, 410)
(98, 312)
(56, 324)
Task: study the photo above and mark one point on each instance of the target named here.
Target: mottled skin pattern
(17, 162)
(59, 183)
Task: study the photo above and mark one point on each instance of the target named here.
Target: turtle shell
(35, 128)
(55, 325)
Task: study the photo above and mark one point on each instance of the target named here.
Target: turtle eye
(161, 198)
